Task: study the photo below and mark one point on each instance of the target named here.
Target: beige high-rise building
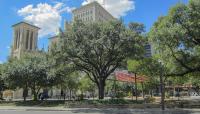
(25, 38)
(92, 12)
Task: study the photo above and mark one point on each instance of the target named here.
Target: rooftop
(26, 24)
(92, 3)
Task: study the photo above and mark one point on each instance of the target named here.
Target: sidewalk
(26, 108)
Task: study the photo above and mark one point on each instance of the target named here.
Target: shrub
(80, 97)
(149, 99)
(120, 95)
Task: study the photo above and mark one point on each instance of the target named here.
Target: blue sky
(13, 11)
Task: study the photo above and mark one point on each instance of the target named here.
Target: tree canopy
(99, 48)
(176, 38)
(28, 72)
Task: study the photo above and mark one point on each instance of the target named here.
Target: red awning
(129, 77)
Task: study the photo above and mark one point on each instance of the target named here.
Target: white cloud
(1, 62)
(117, 8)
(46, 16)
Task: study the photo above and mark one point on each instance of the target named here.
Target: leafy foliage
(175, 38)
(99, 48)
(28, 72)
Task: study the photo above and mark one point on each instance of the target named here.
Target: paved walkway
(62, 110)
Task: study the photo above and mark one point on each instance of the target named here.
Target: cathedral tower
(25, 38)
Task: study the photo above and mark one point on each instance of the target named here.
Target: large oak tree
(98, 49)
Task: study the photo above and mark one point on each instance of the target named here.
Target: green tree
(30, 71)
(175, 38)
(137, 27)
(152, 68)
(86, 85)
(2, 81)
(64, 74)
(72, 83)
(99, 48)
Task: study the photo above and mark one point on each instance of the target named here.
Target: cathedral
(25, 35)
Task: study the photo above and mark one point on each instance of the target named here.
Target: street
(102, 111)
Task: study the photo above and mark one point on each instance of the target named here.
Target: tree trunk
(93, 92)
(162, 90)
(70, 94)
(1, 95)
(25, 92)
(151, 91)
(101, 88)
(143, 90)
(34, 92)
(136, 96)
(35, 96)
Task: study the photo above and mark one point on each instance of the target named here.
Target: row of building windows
(87, 13)
(87, 18)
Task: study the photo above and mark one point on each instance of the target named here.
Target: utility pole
(142, 90)
(136, 87)
(132, 90)
(115, 87)
(162, 89)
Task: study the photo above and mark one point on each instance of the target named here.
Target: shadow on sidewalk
(134, 111)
